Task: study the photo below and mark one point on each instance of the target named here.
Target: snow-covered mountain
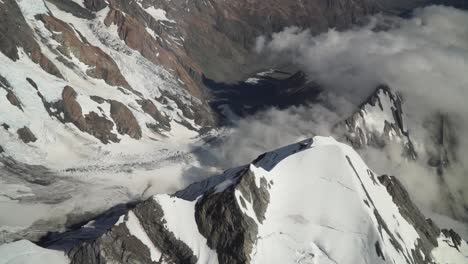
(103, 102)
(379, 120)
(384, 119)
(311, 202)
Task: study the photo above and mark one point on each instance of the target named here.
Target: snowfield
(25, 252)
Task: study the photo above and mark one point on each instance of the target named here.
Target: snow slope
(311, 202)
(25, 252)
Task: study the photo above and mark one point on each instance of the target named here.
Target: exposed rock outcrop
(70, 6)
(92, 123)
(26, 135)
(108, 248)
(136, 36)
(162, 122)
(378, 121)
(14, 100)
(102, 66)
(221, 220)
(426, 228)
(124, 119)
(95, 5)
(15, 33)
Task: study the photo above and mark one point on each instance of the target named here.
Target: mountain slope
(311, 202)
(98, 72)
(384, 121)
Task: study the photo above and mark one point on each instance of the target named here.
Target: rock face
(124, 119)
(427, 230)
(379, 120)
(256, 214)
(382, 120)
(221, 220)
(26, 135)
(92, 123)
(162, 122)
(95, 5)
(14, 100)
(101, 65)
(15, 32)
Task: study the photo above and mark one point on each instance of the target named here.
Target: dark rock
(5, 126)
(4, 83)
(1, 150)
(259, 197)
(115, 246)
(426, 229)
(92, 123)
(15, 32)
(14, 100)
(100, 127)
(95, 5)
(378, 250)
(163, 122)
(97, 99)
(226, 228)
(118, 246)
(456, 239)
(32, 83)
(360, 137)
(124, 119)
(151, 218)
(73, 8)
(71, 108)
(71, 43)
(26, 135)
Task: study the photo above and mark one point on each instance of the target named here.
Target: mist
(425, 58)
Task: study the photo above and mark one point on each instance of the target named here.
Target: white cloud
(424, 57)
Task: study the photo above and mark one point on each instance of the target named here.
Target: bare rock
(32, 83)
(26, 135)
(102, 65)
(71, 108)
(97, 99)
(92, 123)
(95, 5)
(162, 121)
(427, 230)
(100, 127)
(135, 35)
(74, 8)
(226, 228)
(14, 100)
(124, 119)
(15, 32)
(117, 245)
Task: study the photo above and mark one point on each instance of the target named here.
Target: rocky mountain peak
(380, 119)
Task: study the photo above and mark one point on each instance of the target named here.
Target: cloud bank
(424, 57)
